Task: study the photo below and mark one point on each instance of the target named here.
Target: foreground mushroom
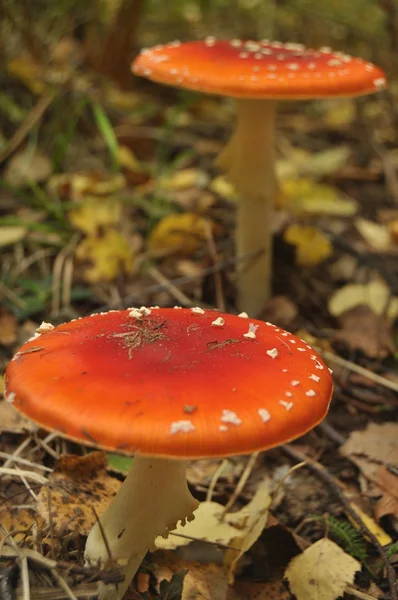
(257, 74)
(166, 385)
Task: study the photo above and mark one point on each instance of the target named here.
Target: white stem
(249, 161)
(152, 500)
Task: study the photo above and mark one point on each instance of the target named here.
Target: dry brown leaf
(322, 572)
(378, 443)
(22, 520)
(250, 590)
(27, 167)
(77, 485)
(372, 451)
(8, 327)
(362, 329)
(12, 421)
(202, 581)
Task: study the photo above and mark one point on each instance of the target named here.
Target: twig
(220, 300)
(170, 287)
(241, 483)
(215, 478)
(26, 126)
(347, 364)
(320, 471)
(17, 459)
(63, 585)
(28, 474)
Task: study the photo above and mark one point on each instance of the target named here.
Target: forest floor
(110, 199)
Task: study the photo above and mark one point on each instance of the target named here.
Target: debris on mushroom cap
(169, 381)
(264, 69)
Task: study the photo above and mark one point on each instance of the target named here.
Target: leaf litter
(132, 194)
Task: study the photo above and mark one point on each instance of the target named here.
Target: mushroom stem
(152, 500)
(249, 161)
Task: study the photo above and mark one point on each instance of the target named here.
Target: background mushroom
(166, 385)
(258, 74)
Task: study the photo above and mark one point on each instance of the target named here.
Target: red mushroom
(257, 74)
(166, 385)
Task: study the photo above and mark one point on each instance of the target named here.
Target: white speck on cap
(44, 327)
(219, 322)
(273, 353)
(251, 334)
(223, 428)
(264, 414)
(310, 393)
(294, 383)
(183, 426)
(10, 397)
(196, 310)
(314, 378)
(288, 394)
(228, 416)
(379, 83)
(287, 405)
(136, 313)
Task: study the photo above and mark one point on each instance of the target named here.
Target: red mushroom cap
(171, 383)
(264, 69)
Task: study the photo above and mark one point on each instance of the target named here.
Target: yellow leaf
(93, 213)
(127, 160)
(183, 180)
(304, 196)
(240, 529)
(321, 572)
(224, 188)
(109, 255)
(375, 235)
(29, 72)
(251, 520)
(376, 294)
(11, 234)
(299, 162)
(340, 112)
(180, 233)
(312, 246)
(371, 524)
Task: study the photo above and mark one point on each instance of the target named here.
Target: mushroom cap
(171, 383)
(249, 69)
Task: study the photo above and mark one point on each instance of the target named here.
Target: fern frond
(348, 536)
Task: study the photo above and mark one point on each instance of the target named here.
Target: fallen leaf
(8, 327)
(300, 162)
(22, 521)
(281, 311)
(306, 197)
(375, 294)
(12, 421)
(209, 525)
(109, 254)
(75, 186)
(374, 451)
(378, 442)
(202, 581)
(312, 246)
(179, 233)
(224, 188)
(78, 484)
(377, 237)
(321, 572)
(27, 167)
(361, 329)
(252, 519)
(92, 213)
(11, 234)
(184, 179)
(372, 526)
(251, 590)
